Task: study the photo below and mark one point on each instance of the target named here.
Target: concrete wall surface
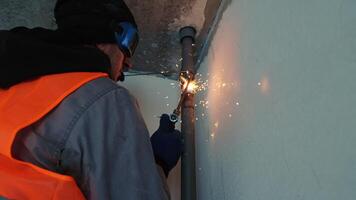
(32, 13)
(278, 119)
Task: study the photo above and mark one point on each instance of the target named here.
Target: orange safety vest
(21, 106)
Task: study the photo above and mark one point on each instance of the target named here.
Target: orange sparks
(189, 86)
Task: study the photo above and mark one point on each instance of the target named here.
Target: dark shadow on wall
(214, 11)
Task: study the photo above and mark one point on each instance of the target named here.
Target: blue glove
(167, 144)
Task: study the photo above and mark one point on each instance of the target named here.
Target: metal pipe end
(187, 32)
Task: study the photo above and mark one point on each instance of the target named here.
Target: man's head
(107, 24)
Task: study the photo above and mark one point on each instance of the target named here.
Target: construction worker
(77, 135)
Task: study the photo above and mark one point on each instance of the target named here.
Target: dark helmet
(92, 21)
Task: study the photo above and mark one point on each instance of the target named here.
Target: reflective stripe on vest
(21, 106)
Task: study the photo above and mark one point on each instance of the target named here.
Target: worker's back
(97, 136)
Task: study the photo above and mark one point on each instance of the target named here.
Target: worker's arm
(109, 152)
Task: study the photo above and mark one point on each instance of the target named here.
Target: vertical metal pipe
(188, 181)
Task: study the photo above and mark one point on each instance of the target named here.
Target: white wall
(291, 65)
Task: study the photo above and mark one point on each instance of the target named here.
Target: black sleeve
(28, 53)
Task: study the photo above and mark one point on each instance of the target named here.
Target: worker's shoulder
(99, 88)
(103, 83)
(96, 92)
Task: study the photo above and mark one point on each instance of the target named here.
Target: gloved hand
(167, 144)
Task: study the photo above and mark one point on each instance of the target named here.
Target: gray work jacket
(98, 136)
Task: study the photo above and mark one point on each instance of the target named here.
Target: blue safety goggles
(127, 38)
